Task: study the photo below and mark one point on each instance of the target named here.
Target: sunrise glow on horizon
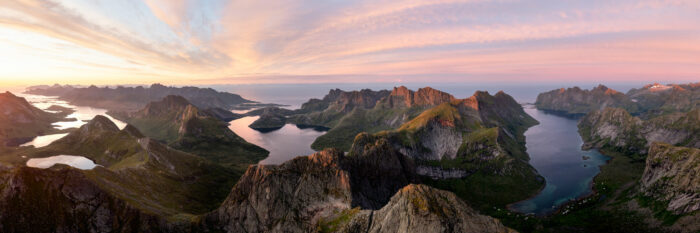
(229, 42)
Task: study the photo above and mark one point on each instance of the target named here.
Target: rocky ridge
(671, 176)
(332, 192)
(616, 128)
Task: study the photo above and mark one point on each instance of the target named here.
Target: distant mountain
(616, 129)
(138, 185)
(178, 123)
(133, 98)
(20, 121)
(647, 102)
(577, 102)
(658, 99)
(670, 177)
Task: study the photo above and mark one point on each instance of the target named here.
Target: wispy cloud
(314, 41)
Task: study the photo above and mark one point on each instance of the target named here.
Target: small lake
(555, 151)
(284, 144)
(78, 162)
(81, 115)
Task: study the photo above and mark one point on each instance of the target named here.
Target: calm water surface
(284, 144)
(555, 151)
(79, 162)
(81, 115)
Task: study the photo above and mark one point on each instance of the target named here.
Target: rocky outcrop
(290, 197)
(671, 176)
(616, 128)
(438, 173)
(133, 98)
(612, 127)
(577, 102)
(269, 119)
(20, 121)
(419, 208)
(365, 191)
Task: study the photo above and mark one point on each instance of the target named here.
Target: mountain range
(134, 98)
(647, 102)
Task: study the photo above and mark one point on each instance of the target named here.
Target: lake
(78, 162)
(284, 144)
(555, 151)
(81, 116)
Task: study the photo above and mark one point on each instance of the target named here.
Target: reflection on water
(284, 144)
(79, 162)
(81, 115)
(42, 141)
(555, 151)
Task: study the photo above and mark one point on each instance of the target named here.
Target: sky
(180, 42)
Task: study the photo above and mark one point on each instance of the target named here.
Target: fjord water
(555, 151)
(80, 117)
(284, 144)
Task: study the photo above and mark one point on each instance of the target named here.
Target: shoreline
(568, 203)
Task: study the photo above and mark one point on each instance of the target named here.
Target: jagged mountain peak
(426, 96)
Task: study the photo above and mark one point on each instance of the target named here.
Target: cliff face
(403, 97)
(184, 127)
(20, 121)
(419, 208)
(671, 176)
(577, 102)
(289, 197)
(483, 124)
(133, 98)
(616, 128)
(365, 191)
